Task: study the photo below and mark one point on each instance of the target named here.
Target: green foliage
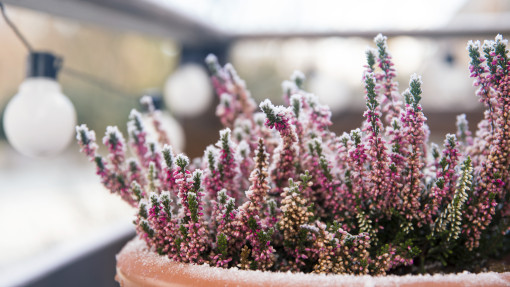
(113, 140)
(211, 160)
(264, 237)
(182, 162)
(370, 59)
(271, 116)
(222, 243)
(222, 197)
(146, 228)
(99, 162)
(151, 176)
(193, 206)
(142, 210)
(356, 136)
(166, 201)
(155, 203)
(296, 106)
(83, 136)
(252, 224)
(167, 156)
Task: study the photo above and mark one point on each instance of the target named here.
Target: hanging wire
(15, 29)
(85, 77)
(94, 81)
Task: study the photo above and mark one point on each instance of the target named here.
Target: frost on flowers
(280, 192)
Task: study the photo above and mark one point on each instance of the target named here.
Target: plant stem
(422, 263)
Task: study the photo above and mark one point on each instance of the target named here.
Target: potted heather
(279, 192)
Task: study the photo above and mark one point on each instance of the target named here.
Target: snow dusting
(165, 272)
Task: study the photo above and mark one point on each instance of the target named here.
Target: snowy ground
(48, 204)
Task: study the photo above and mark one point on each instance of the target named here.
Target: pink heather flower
(285, 155)
(87, 141)
(235, 99)
(463, 132)
(390, 103)
(155, 117)
(116, 144)
(222, 167)
(137, 137)
(280, 191)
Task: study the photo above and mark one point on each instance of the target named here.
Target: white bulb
(188, 91)
(39, 121)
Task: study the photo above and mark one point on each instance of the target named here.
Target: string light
(39, 120)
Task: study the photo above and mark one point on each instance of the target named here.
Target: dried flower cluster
(281, 192)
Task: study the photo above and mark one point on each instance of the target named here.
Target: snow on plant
(281, 192)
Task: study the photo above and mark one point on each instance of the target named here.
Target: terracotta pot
(137, 266)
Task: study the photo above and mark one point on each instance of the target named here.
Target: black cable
(94, 81)
(15, 29)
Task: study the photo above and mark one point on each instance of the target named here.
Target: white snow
(259, 118)
(182, 157)
(243, 147)
(381, 39)
(91, 135)
(474, 44)
(450, 138)
(288, 86)
(298, 76)
(114, 131)
(147, 102)
(370, 75)
(211, 59)
(499, 38)
(415, 77)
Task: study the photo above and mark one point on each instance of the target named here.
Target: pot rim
(138, 266)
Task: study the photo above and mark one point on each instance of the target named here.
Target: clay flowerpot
(138, 266)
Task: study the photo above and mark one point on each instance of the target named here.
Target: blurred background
(127, 48)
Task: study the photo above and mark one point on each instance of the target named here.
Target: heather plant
(280, 192)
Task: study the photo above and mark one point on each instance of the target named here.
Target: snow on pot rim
(139, 266)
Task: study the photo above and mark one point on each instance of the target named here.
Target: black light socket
(157, 100)
(43, 64)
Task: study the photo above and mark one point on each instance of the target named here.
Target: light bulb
(39, 121)
(188, 91)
